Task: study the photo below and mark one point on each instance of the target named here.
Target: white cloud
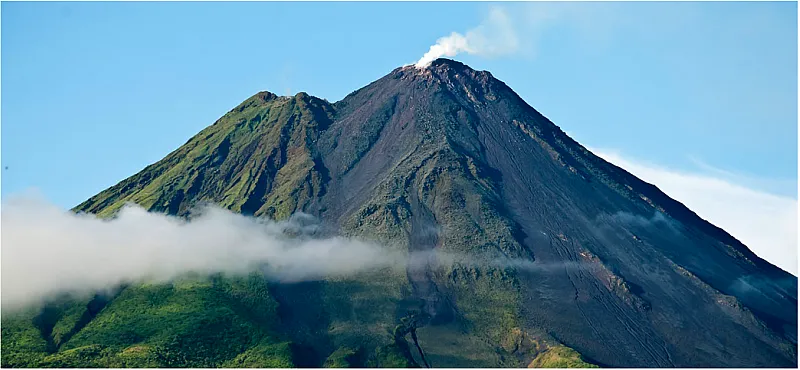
(764, 222)
(49, 251)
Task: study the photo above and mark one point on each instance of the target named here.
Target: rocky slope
(449, 160)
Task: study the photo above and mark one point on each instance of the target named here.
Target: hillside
(449, 160)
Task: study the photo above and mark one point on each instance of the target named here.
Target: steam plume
(493, 37)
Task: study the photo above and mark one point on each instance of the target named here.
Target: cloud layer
(764, 222)
(49, 251)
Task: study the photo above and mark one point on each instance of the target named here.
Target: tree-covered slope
(197, 322)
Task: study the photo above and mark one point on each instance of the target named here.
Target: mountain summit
(446, 160)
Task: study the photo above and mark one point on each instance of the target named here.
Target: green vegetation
(342, 357)
(264, 157)
(265, 354)
(73, 316)
(223, 164)
(559, 357)
(393, 356)
(190, 323)
(22, 343)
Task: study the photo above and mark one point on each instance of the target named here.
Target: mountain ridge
(448, 159)
(449, 65)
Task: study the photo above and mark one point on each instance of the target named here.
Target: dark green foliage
(343, 357)
(71, 320)
(263, 355)
(392, 355)
(560, 357)
(191, 323)
(22, 342)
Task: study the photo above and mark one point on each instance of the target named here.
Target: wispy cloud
(495, 36)
(48, 251)
(518, 28)
(766, 223)
(770, 185)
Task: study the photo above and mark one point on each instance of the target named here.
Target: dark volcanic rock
(449, 159)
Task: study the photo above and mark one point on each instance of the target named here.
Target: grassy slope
(254, 160)
(195, 323)
(559, 357)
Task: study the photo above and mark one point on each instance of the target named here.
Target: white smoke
(495, 36)
(47, 251)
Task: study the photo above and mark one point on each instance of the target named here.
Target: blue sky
(93, 92)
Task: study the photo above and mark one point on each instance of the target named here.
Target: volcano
(444, 159)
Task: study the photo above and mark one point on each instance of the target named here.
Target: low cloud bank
(48, 251)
